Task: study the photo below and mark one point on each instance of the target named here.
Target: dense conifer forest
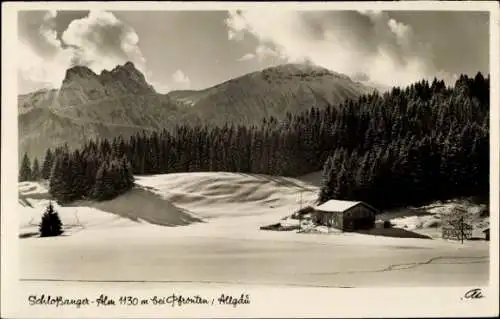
(407, 146)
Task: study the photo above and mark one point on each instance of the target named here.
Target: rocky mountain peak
(78, 72)
(129, 66)
(81, 85)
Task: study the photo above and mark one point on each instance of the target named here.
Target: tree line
(423, 142)
(85, 173)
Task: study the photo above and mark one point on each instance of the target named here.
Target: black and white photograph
(169, 149)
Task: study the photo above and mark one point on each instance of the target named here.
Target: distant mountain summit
(303, 70)
(270, 92)
(81, 85)
(121, 102)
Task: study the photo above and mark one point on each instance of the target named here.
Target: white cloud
(99, 41)
(47, 29)
(102, 42)
(29, 63)
(399, 29)
(43, 71)
(50, 14)
(264, 51)
(246, 57)
(348, 42)
(181, 80)
(46, 72)
(237, 24)
(274, 39)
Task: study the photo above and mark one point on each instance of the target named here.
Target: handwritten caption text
(172, 300)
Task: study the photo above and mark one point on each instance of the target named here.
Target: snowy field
(203, 228)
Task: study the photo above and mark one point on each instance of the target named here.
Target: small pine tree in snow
(51, 224)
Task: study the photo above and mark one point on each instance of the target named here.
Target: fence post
(462, 229)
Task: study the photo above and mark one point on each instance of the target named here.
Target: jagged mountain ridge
(121, 102)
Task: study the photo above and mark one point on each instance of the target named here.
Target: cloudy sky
(195, 49)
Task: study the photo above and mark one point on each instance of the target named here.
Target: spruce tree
(77, 174)
(47, 164)
(56, 179)
(35, 172)
(104, 187)
(128, 176)
(25, 173)
(51, 224)
(66, 178)
(327, 181)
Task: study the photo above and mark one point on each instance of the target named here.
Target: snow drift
(218, 194)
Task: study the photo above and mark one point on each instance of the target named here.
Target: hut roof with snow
(338, 206)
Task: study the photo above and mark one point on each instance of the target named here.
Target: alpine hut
(345, 215)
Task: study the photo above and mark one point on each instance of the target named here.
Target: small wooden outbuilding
(486, 233)
(345, 215)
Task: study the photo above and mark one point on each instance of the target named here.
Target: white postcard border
(265, 301)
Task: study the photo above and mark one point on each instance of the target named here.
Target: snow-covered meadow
(204, 228)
